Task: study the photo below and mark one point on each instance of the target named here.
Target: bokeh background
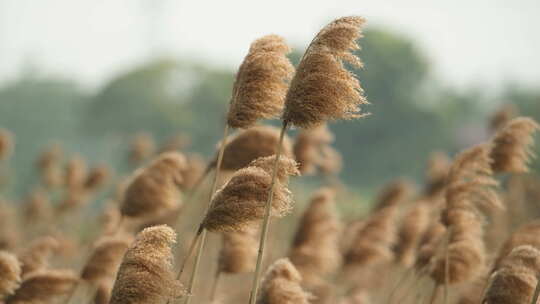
(92, 73)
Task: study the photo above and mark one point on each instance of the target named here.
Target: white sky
(469, 42)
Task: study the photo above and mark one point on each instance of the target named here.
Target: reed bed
(469, 233)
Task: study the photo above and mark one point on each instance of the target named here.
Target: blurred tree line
(412, 114)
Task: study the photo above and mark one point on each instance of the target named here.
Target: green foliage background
(412, 113)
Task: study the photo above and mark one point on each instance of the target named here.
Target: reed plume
(153, 189)
(393, 193)
(239, 251)
(193, 172)
(430, 242)
(44, 286)
(10, 274)
(261, 83)
(6, 144)
(97, 177)
(437, 169)
(315, 250)
(512, 146)
(37, 254)
(322, 88)
(527, 234)
(470, 185)
(245, 146)
(413, 226)
(514, 281)
(282, 285)
(146, 274)
(142, 147)
(105, 259)
(48, 165)
(75, 172)
(308, 148)
(241, 200)
(9, 230)
(501, 117)
(37, 207)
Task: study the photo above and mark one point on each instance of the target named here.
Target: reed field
(243, 227)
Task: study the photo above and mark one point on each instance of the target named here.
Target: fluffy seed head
(37, 207)
(313, 152)
(502, 116)
(194, 170)
(512, 145)
(75, 172)
(526, 234)
(36, 255)
(6, 144)
(261, 83)
(10, 274)
(315, 249)
(154, 189)
(146, 274)
(142, 146)
(322, 88)
(239, 251)
(393, 194)
(245, 146)
(437, 169)
(97, 177)
(281, 285)
(242, 199)
(43, 286)
(516, 278)
(105, 259)
(414, 225)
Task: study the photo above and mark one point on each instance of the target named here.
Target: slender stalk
(536, 292)
(203, 232)
(190, 251)
(446, 266)
(215, 284)
(266, 220)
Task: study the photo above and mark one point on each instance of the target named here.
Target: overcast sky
(469, 42)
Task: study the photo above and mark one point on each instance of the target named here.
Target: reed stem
(203, 232)
(215, 285)
(266, 220)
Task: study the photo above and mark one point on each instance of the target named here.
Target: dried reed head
(142, 146)
(10, 274)
(146, 273)
(430, 242)
(261, 83)
(331, 161)
(104, 261)
(516, 278)
(97, 177)
(194, 170)
(75, 172)
(315, 250)
(9, 230)
(394, 193)
(245, 146)
(526, 234)
(308, 149)
(502, 116)
(281, 285)
(6, 144)
(414, 224)
(239, 251)
(154, 189)
(44, 286)
(36, 255)
(437, 169)
(512, 146)
(242, 199)
(469, 186)
(110, 218)
(322, 88)
(37, 207)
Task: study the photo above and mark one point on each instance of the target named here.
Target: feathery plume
(97, 177)
(261, 83)
(10, 274)
(516, 278)
(429, 244)
(43, 286)
(154, 188)
(242, 199)
(526, 234)
(245, 146)
(48, 165)
(105, 259)
(313, 152)
(512, 146)
(110, 218)
(75, 172)
(502, 116)
(469, 186)
(322, 89)
(239, 251)
(194, 170)
(414, 225)
(6, 144)
(142, 146)
(36, 255)
(315, 250)
(437, 169)
(37, 207)
(281, 285)
(393, 194)
(9, 230)
(146, 274)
